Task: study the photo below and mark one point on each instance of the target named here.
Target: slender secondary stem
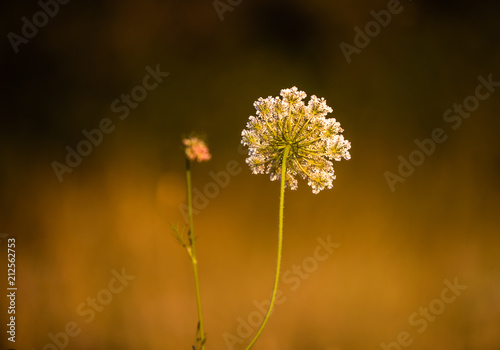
(200, 333)
(280, 246)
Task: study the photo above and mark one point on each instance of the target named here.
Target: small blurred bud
(196, 149)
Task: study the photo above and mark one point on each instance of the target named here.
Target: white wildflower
(313, 140)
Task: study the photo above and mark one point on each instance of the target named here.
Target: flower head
(313, 141)
(196, 149)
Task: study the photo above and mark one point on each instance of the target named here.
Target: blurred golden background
(110, 215)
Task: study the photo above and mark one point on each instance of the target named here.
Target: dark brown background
(114, 209)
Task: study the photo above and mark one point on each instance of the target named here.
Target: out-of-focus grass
(396, 250)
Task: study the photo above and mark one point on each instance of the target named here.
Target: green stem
(200, 333)
(280, 246)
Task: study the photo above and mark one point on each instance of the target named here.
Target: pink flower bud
(196, 149)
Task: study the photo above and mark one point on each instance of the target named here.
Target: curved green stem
(280, 246)
(200, 331)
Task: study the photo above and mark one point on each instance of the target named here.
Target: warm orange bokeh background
(113, 211)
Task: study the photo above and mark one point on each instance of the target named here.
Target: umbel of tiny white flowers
(313, 141)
